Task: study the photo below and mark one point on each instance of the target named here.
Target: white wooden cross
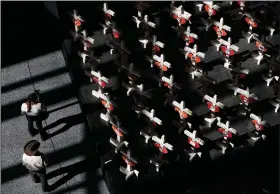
(225, 129)
(104, 99)
(250, 21)
(194, 140)
(99, 79)
(276, 104)
(129, 171)
(227, 48)
(83, 55)
(270, 79)
(145, 135)
(209, 7)
(139, 88)
(78, 20)
(180, 108)
(189, 37)
(212, 103)
(154, 41)
(180, 14)
(168, 82)
(108, 12)
(161, 63)
(220, 28)
(161, 144)
(140, 19)
(258, 122)
(87, 41)
(245, 95)
(193, 54)
(151, 116)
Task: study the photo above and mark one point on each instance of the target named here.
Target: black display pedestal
(196, 176)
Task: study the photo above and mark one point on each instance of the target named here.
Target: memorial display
(183, 84)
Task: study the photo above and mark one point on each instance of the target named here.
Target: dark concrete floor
(66, 124)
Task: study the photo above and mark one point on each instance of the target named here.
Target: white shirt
(35, 109)
(33, 163)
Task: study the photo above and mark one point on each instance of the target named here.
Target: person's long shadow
(71, 171)
(69, 121)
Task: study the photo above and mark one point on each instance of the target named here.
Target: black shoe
(36, 179)
(44, 137)
(33, 132)
(47, 189)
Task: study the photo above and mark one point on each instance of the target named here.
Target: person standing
(34, 111)
(35, 162)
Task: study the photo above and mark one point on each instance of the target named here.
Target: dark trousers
(38, 121)
(40, 176)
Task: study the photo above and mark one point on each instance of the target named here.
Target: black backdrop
(28, 30)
